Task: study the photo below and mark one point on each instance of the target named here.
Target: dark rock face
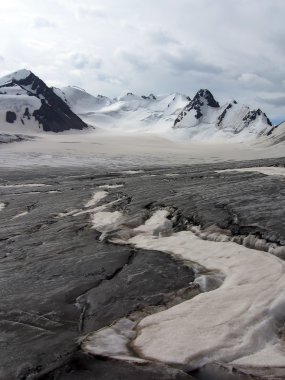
(203, 97)
(223, 114)
(54, 114)
(27, 113)
(149, 97)
(11, 117)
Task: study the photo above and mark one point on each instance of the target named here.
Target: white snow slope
(127, 113)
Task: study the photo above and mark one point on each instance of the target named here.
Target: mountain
(129, 112)
(203, 117)
(27, 103)
(81, 101)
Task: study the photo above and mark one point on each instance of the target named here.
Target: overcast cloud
(235, 48)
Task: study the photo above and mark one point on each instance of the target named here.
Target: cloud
(186, 61)
(137, 61)
(83, 61)
(99, 13)
(41, 22)
(251, 78)
(160, 37)
(110, 79)
(278, 101)
(153, 46)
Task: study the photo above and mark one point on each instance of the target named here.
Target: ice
(124, 152)
(132, 171)
(270, 170)
(157, 224)
(67, 213)
(112, 341)
(20, 215)
(111, 186)
(106, 220)
(25, 185)
(233, 323)
(97, 197)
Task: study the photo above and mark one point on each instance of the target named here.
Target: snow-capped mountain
(81, 101)
(127, 112)
(28, 104)
(203, 117)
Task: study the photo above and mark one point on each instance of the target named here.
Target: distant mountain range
(28, 104)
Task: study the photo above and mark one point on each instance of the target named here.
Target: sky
(234, 48)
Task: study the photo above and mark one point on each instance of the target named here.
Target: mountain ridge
(26, 99)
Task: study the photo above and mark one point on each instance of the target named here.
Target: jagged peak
(205, 95)
(253, 114)
(102, 96)
(15, 76)
(149, 97)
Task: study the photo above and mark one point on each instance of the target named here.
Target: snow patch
(25, 185)
(270, 170)
(233, 322)
(132, 171)
(20, 215)
(110, 186)
(104, 221)
(112, 341)
(97, 197)
(2, 206)
(157, 224)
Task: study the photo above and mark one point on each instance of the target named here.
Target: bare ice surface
(124, 151)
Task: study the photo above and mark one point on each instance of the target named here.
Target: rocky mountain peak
(202, 99)
(38, 100)
(149, 97)
(205, 97)
(253, 115)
